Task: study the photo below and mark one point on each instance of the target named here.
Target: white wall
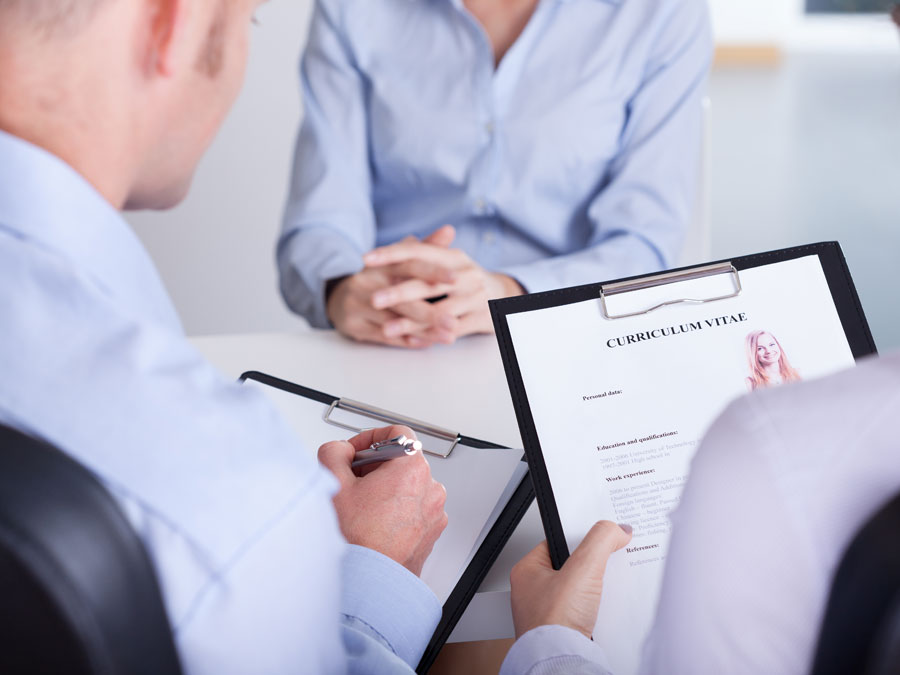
(863, 34)
(215, 252)
(752, 21)
(784, 23)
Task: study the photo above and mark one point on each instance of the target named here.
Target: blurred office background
(804, 146)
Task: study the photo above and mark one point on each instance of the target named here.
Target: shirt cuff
(390, 603)
(553, 649)
(619, 256)
(306, 260)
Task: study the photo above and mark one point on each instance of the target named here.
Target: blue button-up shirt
(235, 514)
(571, 162)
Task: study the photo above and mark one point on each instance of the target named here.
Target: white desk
(460, 387)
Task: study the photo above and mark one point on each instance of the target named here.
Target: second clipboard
(328, 417)
(660, 295)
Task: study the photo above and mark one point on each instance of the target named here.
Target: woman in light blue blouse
(559, 138)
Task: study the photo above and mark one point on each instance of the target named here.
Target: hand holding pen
(394, 507)
(381, 451)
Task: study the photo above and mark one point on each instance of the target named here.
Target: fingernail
(415, 342)
(626, 528)
(371, 257)
(392, 329)
(380, 300)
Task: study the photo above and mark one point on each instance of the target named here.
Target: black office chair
(861, 630)
(78, 594)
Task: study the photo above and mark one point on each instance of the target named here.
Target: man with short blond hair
(109, 104)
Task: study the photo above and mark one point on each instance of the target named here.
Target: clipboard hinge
(448, 438)
(608, 290)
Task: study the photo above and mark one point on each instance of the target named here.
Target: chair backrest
(78, 593)
(861, 630)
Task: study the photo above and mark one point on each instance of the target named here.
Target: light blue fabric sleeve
(640, 215)
(329, 221)
(241, 621)
(389, 614)
(735, 498)
(272, 609)
(554, 650)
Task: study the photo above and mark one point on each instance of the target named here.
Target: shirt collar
(45, 201)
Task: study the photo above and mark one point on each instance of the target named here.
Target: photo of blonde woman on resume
(769, 365)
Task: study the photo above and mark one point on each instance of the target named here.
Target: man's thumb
(601, 541)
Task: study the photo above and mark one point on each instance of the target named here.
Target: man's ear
(165, 22)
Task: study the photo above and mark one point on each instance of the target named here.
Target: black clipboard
(497, 536)
(840, 284)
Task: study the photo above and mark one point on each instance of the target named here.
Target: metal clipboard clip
(608, 290)
(435, 440)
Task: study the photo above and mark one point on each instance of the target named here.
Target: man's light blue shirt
(236, 515)
(574, 161)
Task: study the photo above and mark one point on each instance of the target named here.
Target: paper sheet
(476, 480)
(620, 406)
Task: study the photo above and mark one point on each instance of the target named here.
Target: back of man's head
(128, 92)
